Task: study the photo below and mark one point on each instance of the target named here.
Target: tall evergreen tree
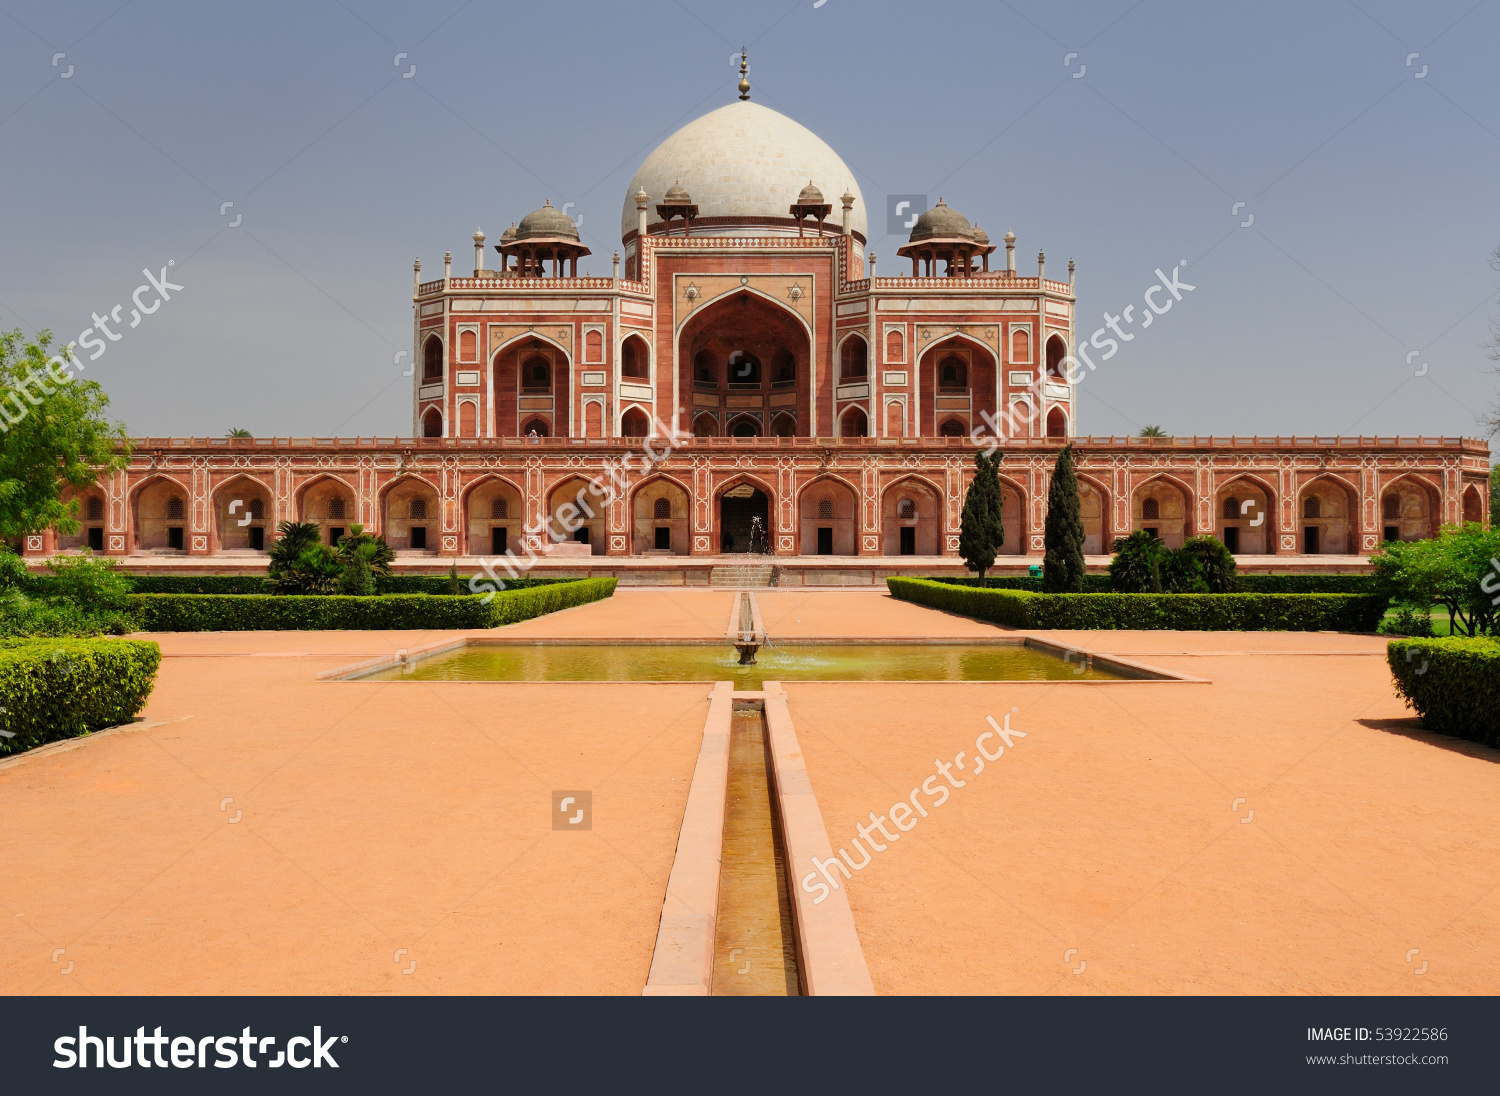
(982, 527)
(1062, 568)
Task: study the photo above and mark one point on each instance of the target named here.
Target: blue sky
(1371, 181)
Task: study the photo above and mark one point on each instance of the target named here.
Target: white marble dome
(744, 160)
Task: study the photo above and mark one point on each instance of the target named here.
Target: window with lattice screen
(906, 508)
(499, 508)
(96, 508)
(419, 508)
(174, 508)
(663, 510)
(825, 509)
(1150, 510)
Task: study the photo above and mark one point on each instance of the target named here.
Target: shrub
(1136, 568)
(62, 688)
(1453, 684)
(981, 530)
(356, 579)
(89, 582)
(200, 584)
(1454, 570)
(252, 612)
(1185, 612)
(378, 554)
(1407, 621)
(1182, 572)
(1216, 562)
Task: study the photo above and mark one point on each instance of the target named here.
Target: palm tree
(1152, 432)
(239, 432)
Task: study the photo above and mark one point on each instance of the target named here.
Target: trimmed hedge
(1179, 612)
(1452, 683)
(1243, 584)
(257, 584)
(272, 612)
(52, 689)
(438, 584)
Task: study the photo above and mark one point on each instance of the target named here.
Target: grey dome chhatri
(509, 235)
(941, 222)
(810, 195)
(677, 195)
(547, 223)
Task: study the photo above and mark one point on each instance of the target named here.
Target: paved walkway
(406, 815)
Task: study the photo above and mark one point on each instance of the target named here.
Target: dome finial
(744, 68)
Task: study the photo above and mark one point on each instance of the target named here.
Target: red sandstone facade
(840, 408)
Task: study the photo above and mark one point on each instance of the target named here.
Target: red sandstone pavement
(381, 816)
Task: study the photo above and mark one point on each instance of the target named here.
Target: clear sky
(1371, 181)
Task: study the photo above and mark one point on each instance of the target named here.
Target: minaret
(1010, 252)
(416, 276)
(478, 252)
(447, 265)
(848, 200)
(1041, 267)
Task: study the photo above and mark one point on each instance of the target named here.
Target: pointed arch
(828, 510)
(722, 298)
(744, 420)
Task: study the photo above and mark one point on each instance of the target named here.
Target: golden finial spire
(744, 68)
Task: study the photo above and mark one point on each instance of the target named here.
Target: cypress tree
(982, 527)
(1062, 568)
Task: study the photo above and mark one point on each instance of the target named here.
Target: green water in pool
(719, 662)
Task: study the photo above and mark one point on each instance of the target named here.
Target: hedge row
(259, 584)
(1243, 584)
(270, 612)
(1452, 683)
(1180, 612)
(52, 689)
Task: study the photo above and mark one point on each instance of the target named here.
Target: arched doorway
(576, 514)
(432, 423)
(1093, 508)
(745, 426)
(957, 384)
(706, 426)
(1245, 518)
(159, 516)
(634, 424)
(1473, 505)
(412, 516)
(854, 423)
(1161, 508)
(90, 516)
(1057, 423)
(328, 503)
(741, 507)
(829, 514)
(242, 514)
(660, 513)
(532, 385)
(1327, 508)
(635, 358)
(746, 352)
(1408, 509)
(494, 512)
(911, 519)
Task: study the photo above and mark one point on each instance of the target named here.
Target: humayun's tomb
(841, 408)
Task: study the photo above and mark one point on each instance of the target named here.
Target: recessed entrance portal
(740, 509)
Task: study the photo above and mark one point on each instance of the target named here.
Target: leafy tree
(982, 526)
(1454, 570)
(1063, 567)
(1136, 568)
(87, 597)
(1495, 496)
(1152, 432)
(1216, 562)
(316, 570)
(53, 436)
(238, 432)
(356, 578)
(1181, 572)
(379, 556)
(455, 587)
(90, 582)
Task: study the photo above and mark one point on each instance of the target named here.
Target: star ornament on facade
(795, 292)
(692, 293)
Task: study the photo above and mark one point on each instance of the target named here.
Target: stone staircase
(744, 576)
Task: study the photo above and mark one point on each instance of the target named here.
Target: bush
(199, 584)
(1215, 562)
(1136, 568)
(1407, 621)
(439, 584)
(1184, 612)
(62, 688)
(1453, 684)
(270, 612)
(1241, 584)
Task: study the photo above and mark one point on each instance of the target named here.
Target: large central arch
(746, 357)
